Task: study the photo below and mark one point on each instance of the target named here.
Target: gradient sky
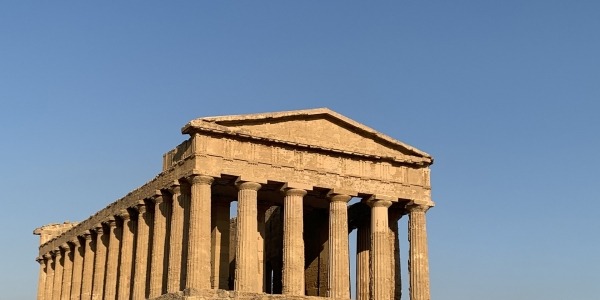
(504, 94)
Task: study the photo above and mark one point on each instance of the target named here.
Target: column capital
(339, 198)
(379, 203)
(294, 192)
(157, 197)
(200, 179)
(40, 259)
(175, 187)
(248, 185)
(75, 242)
(124, 214)
(111, 222)
(66, 247)
(47, 256)
(57, 252)
(141, 207)
(417, 207)
(99, 229)
(87, 235)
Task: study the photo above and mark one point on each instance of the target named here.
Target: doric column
(381, 271)
(78, 250)
(176, 240)
(140, 264)
(157, 265)
(41, 278)
(58, 271)
(363, 254)
(112, 260)
(126, 260)
(293, 242)
(339, 260)
(141, 252)
(67, 272)
(49, 275)
(99, 264)
(88, 268)
(418, 264)
(394, 216)
(220, 243)
(245, 249)
(199, 243)
(261, 210)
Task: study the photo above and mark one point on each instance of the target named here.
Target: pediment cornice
(243, 126)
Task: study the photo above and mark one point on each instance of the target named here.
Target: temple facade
(292, 175)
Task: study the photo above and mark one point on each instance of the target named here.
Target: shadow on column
(316, 250)
(274, 249)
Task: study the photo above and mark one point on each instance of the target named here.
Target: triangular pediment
(322, 128)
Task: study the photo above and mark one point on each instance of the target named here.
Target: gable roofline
(216, 122)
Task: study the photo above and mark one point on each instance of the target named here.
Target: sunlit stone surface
(292, 175)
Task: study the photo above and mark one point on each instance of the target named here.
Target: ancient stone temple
(292, 175)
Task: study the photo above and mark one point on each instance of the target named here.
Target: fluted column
(126, 260)
(41, 278)
(363, 254)
(88, 268)
(58, 271)
(245, 249)
(141, 252)
(99, 264)
(418, 264)
(157, 265)
(176, 241)
(339, 260)
(112, 261)
(381, 271)
(78, 250)
(293, 242)
(199, 244)
(65, 293)
(49, 275)
(220, 243)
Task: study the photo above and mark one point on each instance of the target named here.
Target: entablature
(182, 169)
(263, 161)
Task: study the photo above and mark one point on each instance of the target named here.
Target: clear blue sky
(504, 94)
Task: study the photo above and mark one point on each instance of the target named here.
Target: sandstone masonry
(292, 175)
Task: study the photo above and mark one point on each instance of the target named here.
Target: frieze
(261, 162)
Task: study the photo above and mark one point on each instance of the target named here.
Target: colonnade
(169, 242)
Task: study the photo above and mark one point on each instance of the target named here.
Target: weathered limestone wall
(180, 152)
